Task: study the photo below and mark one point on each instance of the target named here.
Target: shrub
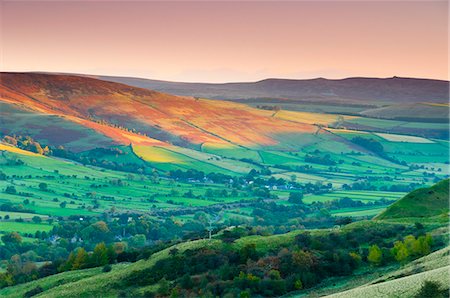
(11, 190)
(431, 289)
(34, 292)
(107, 268)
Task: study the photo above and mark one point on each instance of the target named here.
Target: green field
(364, 196)
(23, 227)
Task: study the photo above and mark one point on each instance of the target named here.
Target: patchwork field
(121, 156)
(365, 196)
(403, 138)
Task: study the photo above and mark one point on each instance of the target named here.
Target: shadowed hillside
(351, 90)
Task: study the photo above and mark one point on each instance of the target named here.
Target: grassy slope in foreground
(407, 281)
(423, 202)
(91, 282)
(94, 283)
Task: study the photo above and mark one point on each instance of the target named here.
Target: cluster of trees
(322, 159)
(402, 251)
(22, 267)
(248, 270)
(97, 241)
(367, 185)
(269, 108)
(75, 244)
(100, 157)
(96, 157)
(15, 208)
(369, 144)
(27, 143)
(376, 147)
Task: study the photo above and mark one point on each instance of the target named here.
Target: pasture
(358, 195)
(74, 189)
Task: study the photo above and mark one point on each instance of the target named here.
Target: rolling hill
(423, 202)
(432, 112)
(93, 282)
(158, 117)
(406, 281)
(171, 132)
(368, 91)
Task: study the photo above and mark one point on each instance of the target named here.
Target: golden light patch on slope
(347, 131)
(196, 121)
(219, 145)
(237, 123)
(437, 104)
(22, 101)
(9, 148)
(309, 118)
(156, 154)
(118, 135)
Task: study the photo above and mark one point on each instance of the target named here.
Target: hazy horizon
(99, 75)
(218, 42)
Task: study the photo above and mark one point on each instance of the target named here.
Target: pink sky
(227, 41)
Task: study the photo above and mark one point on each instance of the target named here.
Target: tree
(296, 197)
(419, 226)
(293, 178)
(11, 190)
(410, 243)
(43, 186)
(375, 255)
(63, 204)
(425, 244)
(399, 251)
(163, 287)
(138, 240)
(209, 193)
(68, 264)
(186, 282)
(36, 219)
(80, 259)
(98, 231)
(303, 260)
(100, 255)
(248, 252)
(12, 238)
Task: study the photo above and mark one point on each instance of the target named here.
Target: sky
(213, 41)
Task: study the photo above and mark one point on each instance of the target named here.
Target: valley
(85, 161)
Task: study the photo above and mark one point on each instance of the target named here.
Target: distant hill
(423, 202)
(430, 112)
(371, 91)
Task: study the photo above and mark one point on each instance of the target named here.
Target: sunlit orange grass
(437, 104)
(146, 111)
(195, 120)
(242, 124)
(118, 135)
(21, 100)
